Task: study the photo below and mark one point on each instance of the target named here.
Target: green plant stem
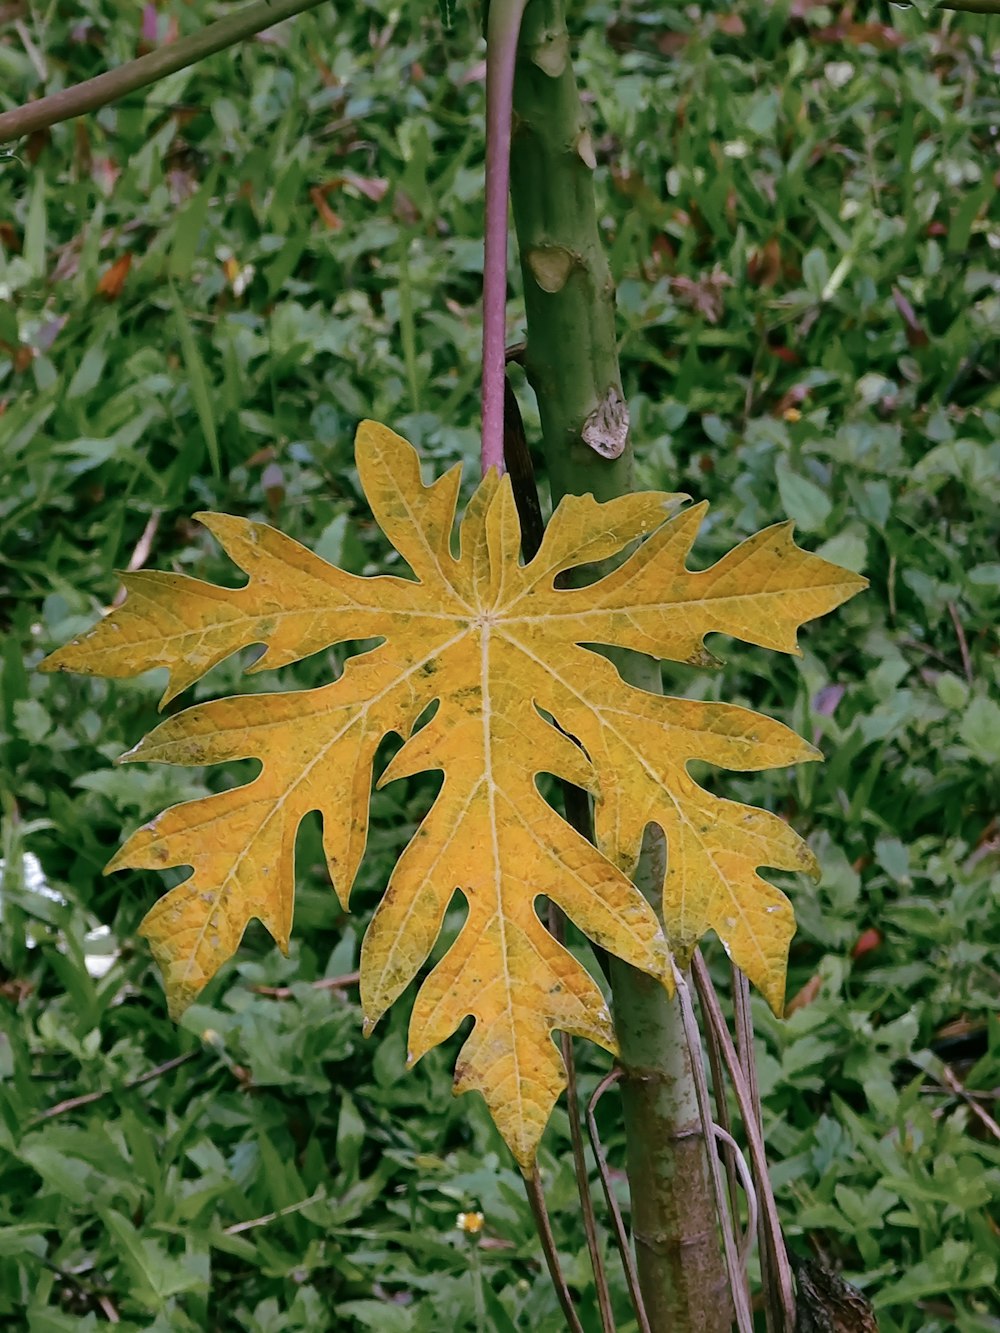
(571, 357)
(572, 363)
(681, 1273)
(135, 74)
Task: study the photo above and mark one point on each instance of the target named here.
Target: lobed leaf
(502, 651)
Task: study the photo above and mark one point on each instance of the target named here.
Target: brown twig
(738, 1285)
(916, 646)
(712, 1012)
(31, 50)
(617, 1222)
(238, 1227)
(744, 1244)
(744, 1047)
(144, 545)
(536, 1198)
(963, 646)
(557, 926)
(324, 983)
(88, 1098)
(108, 1309)
(953, 1083)
(141, 552)
(722, 1116)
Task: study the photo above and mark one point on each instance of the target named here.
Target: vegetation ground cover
(203, 292)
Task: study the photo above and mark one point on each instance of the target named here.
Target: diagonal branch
(114, 84)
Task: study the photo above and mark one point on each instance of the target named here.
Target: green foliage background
(820, 175)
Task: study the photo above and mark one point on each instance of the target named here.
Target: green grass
(819, 169)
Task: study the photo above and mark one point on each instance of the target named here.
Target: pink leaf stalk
(502, 30)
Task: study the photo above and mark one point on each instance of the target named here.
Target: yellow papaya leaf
(502, 652)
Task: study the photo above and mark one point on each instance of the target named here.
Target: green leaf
(380, 1316)
(190, 224)
(945, 1269)
(802, 500)
(67, 1176)
(848, 549)
(23, 1238)
(815, 272)
(350, 1137)
(91, 368)
(197, 382)
(35, 230)
(980, 729)
(894, 858)
(31, 720)
(952, 690)
(156, 1274)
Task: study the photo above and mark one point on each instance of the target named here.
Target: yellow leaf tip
(117, 862)
(808, 862)
(774, 994)
(369, 429)
(177, 1006)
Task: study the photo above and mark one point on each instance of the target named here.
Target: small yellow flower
(470, 1223)
(792, 414)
